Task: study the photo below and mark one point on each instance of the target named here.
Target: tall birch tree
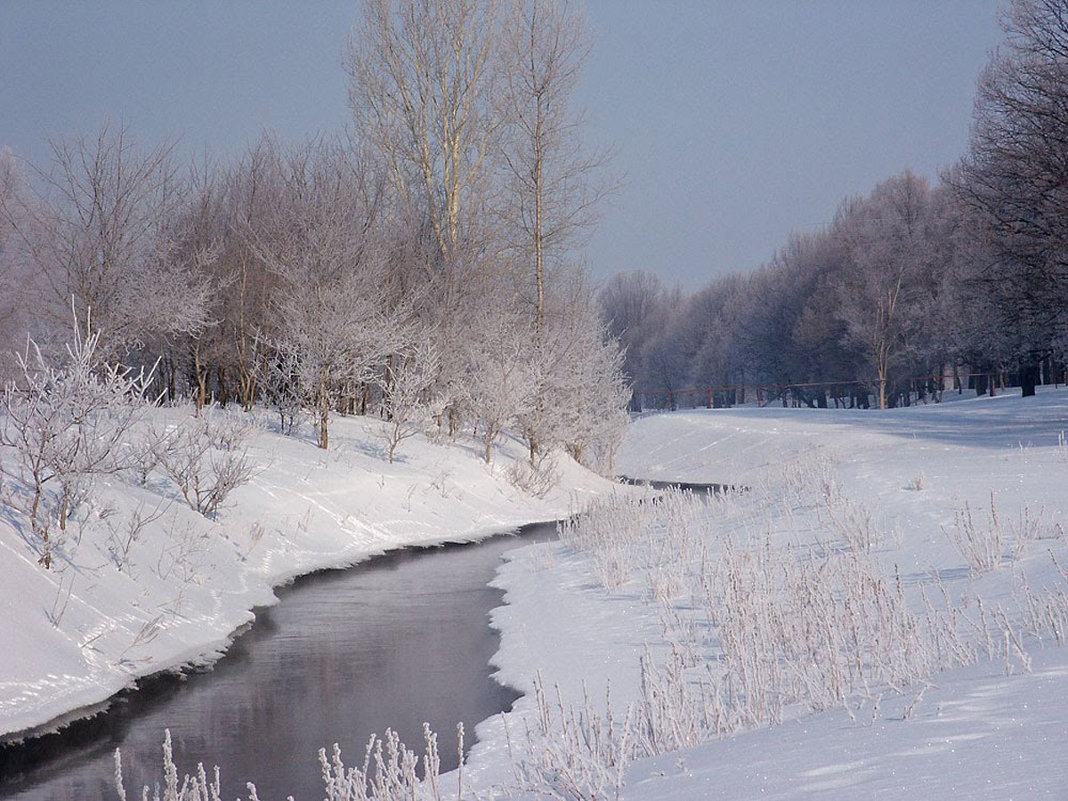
(552, 181)
(422, 80)
(881, 293)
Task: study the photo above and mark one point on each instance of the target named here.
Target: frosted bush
(776, 600)
(535, 477)
(206, 458)
(918, 483)
(808, 628)
(192, 787)
(673, 712)
(574, 754)
(775, 621)
(982, 545)
(125, 532)
(225, 431)
(390, 771)
(617, 533)
(66, 422)
(853, 523)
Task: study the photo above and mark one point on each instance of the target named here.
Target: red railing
(766, 393)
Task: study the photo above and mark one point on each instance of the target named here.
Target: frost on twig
(574, 753)
(67, 422)
(206, 458)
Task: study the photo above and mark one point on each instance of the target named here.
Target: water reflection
(698, 488)
(393, 643)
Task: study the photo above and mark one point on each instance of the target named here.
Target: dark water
(703, 489)
(394, 642)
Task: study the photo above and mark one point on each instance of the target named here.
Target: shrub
(66, 423)
(207, 458)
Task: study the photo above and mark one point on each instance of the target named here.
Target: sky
(733, 122)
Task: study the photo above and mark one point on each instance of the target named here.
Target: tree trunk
(200, 376)
(323, 423)
(247, 384)
(1029, 374)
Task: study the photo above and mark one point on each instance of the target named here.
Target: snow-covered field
(121, 603)
(994, 726)
(955, 511)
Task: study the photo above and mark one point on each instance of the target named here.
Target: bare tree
(424, 75)
(332, 324)
(1014, 177)
(552, 181)
(880, 293)
(422, 78)
(246, 318)
(198, 229)
(99, 232)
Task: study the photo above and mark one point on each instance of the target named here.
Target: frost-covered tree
(882, 295)
(498, 384)
(465, 104)
(17, 282)
(226, 214)
(100, 230)
(1015, 180)
(595, 397)
(832, 312)
(408, 399)
(665, 354)
(331, 322)
(552, 182)
(970, 316)
(715, 314)
(579, 395)
(66, 422)
(424, 79)
(635, 306)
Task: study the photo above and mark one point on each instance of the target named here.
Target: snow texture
(996, 729)
(990, 730)
(111, 611)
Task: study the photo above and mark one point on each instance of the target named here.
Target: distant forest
(910, 291)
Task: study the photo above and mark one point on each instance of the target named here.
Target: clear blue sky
(734, 122)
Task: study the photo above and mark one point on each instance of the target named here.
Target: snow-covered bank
(909, 482)
(122, 602)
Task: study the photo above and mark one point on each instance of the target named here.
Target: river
(393, 642)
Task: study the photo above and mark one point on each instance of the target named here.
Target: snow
(996, 729)
(975, 735)
(191, 583)
(969, 732)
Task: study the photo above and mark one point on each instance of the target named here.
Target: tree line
(420, 267)
(909, 287)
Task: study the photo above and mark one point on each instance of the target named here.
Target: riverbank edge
(214, 651)
(260, 579)
(938, 466)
